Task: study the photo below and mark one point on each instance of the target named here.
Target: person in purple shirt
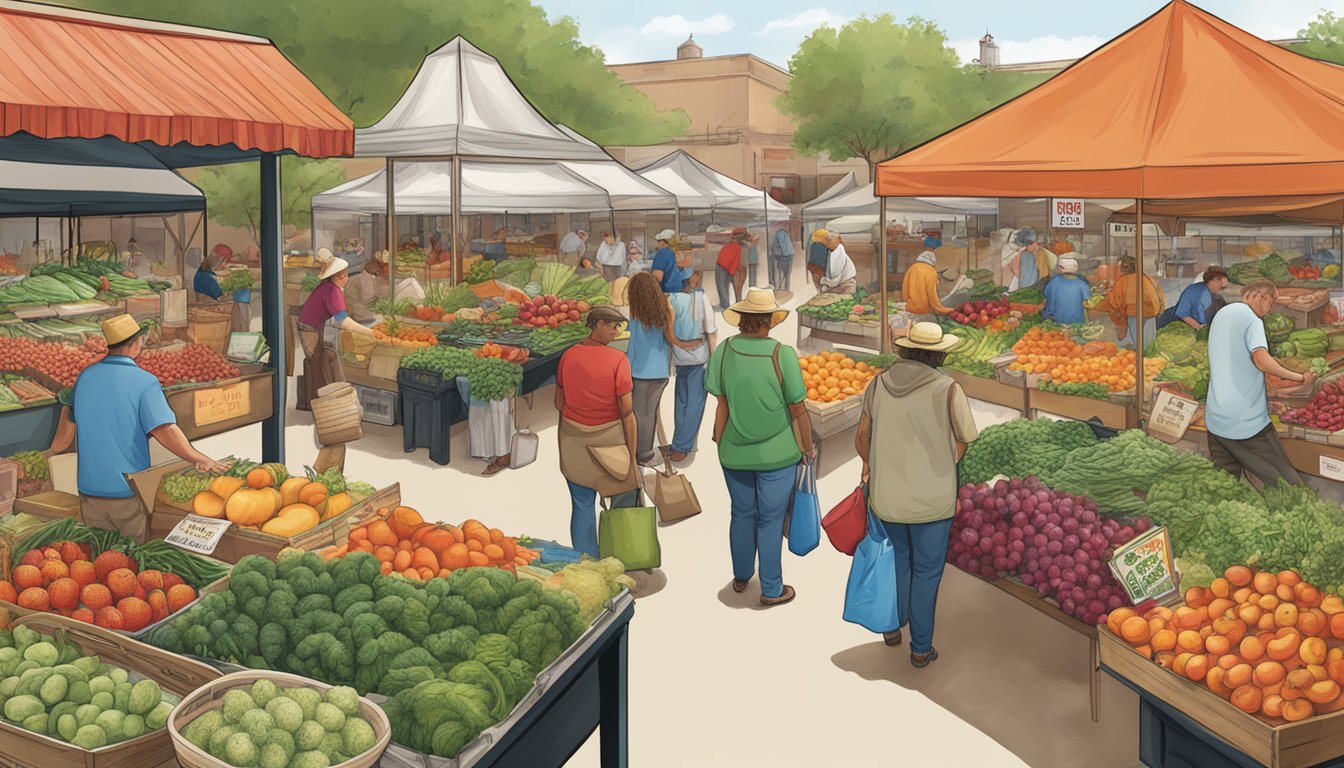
(321, 364)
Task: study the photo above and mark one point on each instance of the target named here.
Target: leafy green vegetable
(1022, 448)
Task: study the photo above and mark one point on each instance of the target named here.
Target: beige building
(989, 58)
(736, 127)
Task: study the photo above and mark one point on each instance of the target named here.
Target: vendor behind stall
(117, 406)
(1196, 301)
(818, 255)
(919, 288)
(1122, 304)
(840, 276)
(205, 283)
(1066, 293)
(366, 288)
(321, 364)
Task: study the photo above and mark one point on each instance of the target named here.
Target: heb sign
(1066, 213)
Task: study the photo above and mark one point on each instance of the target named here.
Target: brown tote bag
(673, 494)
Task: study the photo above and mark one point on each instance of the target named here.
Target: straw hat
(759, 301)
(331, 264)
(119, 329)
(666, 234)
(928, 336)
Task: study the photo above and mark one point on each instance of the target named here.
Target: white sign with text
(1066, 213)
(198, 534)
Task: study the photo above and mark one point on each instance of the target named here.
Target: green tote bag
(630, 533)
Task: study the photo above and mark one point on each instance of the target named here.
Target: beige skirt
(597, 457)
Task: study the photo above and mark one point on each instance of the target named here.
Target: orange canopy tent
(1183, 105)
(83, 88)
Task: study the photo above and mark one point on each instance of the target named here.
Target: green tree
(233, 191)
(877, 87)
(1324, 38)
(363, 54)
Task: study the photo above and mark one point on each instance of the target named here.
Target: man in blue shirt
(781, 257)
(205, 283)
(1065, 294)
(1192, 308)
(116, 407)
(666, 271)
(1241, 436)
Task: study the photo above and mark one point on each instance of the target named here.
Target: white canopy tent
(845, 185)
(697, 186)
(861, 202)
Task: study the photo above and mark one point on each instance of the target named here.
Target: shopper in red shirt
(729, 269)
(593, 393)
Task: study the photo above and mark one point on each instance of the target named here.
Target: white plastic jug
(524, 448)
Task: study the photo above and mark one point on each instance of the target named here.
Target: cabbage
(1175, 342)
(1278, 327)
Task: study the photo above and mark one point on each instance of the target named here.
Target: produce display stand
(585, 688)
(860, 335)
(176, 674)
(237, 543)
(990, 390)
(1184, 724)
(1111, 413)
(219, 406)
(28, 429)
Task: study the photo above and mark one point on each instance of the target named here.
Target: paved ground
(715, 681)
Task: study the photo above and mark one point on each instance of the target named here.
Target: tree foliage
(1324, 38)
(233, 191)
(363, 54)
(877, 87)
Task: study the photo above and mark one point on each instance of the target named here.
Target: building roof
(1183, 105)
(67, 74)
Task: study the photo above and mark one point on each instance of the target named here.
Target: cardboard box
(384, 361)
(51, 505)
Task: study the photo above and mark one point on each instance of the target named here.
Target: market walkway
(716, 682)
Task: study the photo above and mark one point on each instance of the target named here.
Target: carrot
(509, 548)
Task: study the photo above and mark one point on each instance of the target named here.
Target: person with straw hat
(117, 406)
(367, 288)
(321, 364)
(914, 428)
(763, 432)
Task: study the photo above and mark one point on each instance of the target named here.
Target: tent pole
(883, 327)
(273, 307)
(457, 218)
(391, 225)
(1139, 341)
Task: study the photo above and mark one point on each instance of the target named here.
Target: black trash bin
(430, 404)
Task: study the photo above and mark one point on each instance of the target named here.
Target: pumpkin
(277, 501)
(225, 486)
(260, 478)
(404, 521)
(335, 505)
(207, 504)
(291, 521)
(289, 489)
(278, 471)
(250, 506)
(313, 494)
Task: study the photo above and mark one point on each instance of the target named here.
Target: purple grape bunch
(1054, 542)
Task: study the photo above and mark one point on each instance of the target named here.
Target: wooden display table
(990, 390)
(209, 409)
(1111, 414)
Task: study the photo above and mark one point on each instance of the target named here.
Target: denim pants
(648, 393)
(781, 268)
(1149, 332)
(921, 549)
(723, 281)
(760, 500)
(751, 276)
(689, 407)
(583, 518)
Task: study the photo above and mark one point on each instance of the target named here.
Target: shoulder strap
(774, 358)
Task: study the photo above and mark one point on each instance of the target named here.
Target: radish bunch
(1053, 541)
(1325, 411)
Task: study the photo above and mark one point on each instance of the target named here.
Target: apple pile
(550, 312)
(980, 313)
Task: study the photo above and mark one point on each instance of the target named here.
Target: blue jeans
(583, 518)
(723, 281)
(921, 549)
(760, 500)
(751, 277)
(781, 268)
(689, 408)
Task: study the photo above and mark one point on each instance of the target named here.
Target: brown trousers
(125, 516)
(1260, 455)
(321, 363)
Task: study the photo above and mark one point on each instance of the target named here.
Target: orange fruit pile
(833, 376)
(404, 543)
(1267, 642)
(1055, 353)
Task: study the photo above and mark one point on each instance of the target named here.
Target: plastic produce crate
(379, 406)
(430, 405)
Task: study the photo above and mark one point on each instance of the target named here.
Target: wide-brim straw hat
(331, 264)
(928, 336)
(666, 234)
(118, 329)
(759, 301)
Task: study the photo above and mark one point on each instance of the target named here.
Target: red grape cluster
(1055, 542)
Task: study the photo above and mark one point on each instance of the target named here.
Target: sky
(1028, 30)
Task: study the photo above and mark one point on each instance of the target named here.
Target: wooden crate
(234, 403)
(1287, 745)
(173, 673)
(1113, 415)
(990, 390)
(384, 361)
(830, 419)
(51, 505)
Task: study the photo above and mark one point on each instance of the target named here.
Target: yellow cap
(119, 329)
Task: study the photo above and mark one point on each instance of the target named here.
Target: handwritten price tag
(222, 403)
(1171, 416)
(198, 534)
(1145, 566)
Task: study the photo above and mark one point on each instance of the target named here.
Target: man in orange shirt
(1122, 304)
(919, 288)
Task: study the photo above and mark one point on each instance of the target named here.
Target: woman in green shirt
(760, 393)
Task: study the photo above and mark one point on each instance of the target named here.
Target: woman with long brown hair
(651, 333)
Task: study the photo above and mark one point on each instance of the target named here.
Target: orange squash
(291, 521)
(250, 506)
(207, 504)
(424, 557)
(313, 494)
(260, 478)
(404, 521)
(225, 486)
(289, 490)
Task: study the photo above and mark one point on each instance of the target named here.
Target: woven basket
(1028, 309)
(209, 328)
(211, 695)
(337, 415)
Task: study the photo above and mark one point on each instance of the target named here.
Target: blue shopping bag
(870, 594)
(805, 514)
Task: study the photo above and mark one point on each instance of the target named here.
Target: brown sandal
(784, 597)
(740, 585)
(496, 467)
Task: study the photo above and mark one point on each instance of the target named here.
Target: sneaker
(784, 597)
(892, 638)
(922, 660)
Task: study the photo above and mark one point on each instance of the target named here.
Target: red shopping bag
(847, 523)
